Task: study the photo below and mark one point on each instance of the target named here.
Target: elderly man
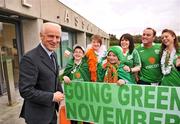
(38, 80)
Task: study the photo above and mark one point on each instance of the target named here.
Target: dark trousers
(147, 83)
(143, 82)
(53, 121)
(74, 122)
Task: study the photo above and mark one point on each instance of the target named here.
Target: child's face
(78, 54)
(95, 45)
(112, 58)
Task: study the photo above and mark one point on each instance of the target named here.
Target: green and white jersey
(150, 63)
(133, 60)
(173, 78)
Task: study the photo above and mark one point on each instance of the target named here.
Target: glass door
(8, 53)
(67, 41)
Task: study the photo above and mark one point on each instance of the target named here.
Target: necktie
(53, 60)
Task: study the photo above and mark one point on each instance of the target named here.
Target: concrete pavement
(10, 114)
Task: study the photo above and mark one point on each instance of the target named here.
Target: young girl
(170, 53)
(93, 56)
(76, 70)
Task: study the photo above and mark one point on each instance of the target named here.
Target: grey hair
(44, 26)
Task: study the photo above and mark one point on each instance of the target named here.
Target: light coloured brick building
(20, 22)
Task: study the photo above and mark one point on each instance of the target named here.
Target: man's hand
(58, 96)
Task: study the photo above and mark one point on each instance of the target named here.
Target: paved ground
(10, 114)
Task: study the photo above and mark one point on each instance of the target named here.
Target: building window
(9, 60)
(67, 41)
(88, 39)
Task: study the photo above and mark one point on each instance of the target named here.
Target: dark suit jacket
(38, 81)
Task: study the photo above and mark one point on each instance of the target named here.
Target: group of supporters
(147, 64)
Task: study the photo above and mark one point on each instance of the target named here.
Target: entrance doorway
(9, 58)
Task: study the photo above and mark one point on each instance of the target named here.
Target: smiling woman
(132, 59)
(169, 58)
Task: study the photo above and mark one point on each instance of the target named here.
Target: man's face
(147, 37)
(50, 37)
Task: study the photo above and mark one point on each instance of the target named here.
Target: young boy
(111, 69)
(76, 70)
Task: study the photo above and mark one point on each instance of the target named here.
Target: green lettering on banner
(103, 103)
(72, 110)
(86, 86)
(123, 118)
(70, 93)
(78, 91)
(106, 94)
(94, 94)
(137, 96)
(149, 95)
(161, 98)
(95, 112)
(123, 95)
(139, 117)
(108, 115)
(154, 116)
(174, 99)
(172, 119)
(84, 111)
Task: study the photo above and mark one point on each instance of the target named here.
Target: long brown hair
(176, 45)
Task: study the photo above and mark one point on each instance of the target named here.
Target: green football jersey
(150, 63)
(132, 60)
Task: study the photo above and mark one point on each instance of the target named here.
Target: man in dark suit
(38, 79)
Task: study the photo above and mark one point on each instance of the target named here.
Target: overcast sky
(129, 16)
